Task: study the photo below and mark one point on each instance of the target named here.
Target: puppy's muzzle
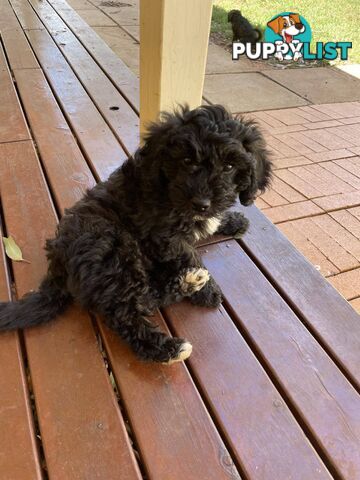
(200, 205)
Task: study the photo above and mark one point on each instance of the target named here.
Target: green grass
(330, 21)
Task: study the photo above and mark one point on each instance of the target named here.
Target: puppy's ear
(159, 133)
(260, 169)
(275, 24)
(295, 17)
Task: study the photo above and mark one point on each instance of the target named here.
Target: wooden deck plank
(176, 436)
(18, 49)
(19, 457)
(14, 39)
(26, 16)
(245, 403)
(328, 314)
(104, 56)
(99, 144)
(326, 402)
(76, 403)
(114, 108)
(85, 442)
(60, 154)
(12, 123)
(8, 21)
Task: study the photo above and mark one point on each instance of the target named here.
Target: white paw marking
(194, 280)
(184, 353)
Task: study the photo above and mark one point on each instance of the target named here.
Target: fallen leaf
(112, 380)
(12, 250)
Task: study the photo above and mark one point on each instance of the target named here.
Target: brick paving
(315, 195)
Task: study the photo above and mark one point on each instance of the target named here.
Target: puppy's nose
(299, 26)
(200, 204)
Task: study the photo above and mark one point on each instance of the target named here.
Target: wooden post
(174, 37)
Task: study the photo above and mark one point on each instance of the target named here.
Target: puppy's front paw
(209, 296)
(180, 353)
(193, 280)
(235, 225)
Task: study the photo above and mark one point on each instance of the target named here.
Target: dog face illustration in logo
(287, 26)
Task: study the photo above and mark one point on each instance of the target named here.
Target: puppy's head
(289, 23)
(233, 14)
(204, 159)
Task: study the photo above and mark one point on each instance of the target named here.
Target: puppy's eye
(228, 167)
(187, 161)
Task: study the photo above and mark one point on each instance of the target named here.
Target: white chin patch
(212, 224)
(209, 227)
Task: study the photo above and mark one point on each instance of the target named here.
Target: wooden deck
(271, 391)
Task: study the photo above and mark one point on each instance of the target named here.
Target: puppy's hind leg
(196, 284)
(146, 340)
(193, 280)
(111, 280)
(209, 296)
(177, 286)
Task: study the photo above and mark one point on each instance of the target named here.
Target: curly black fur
(242, 29)
(125, 248)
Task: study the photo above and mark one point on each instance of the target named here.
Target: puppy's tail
(259, 33)
(35, 307)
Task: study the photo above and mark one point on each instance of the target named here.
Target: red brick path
(315, 196)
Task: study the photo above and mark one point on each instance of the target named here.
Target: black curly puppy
(242, 29)
(127, 247)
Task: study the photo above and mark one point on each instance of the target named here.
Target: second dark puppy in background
(242, 29)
